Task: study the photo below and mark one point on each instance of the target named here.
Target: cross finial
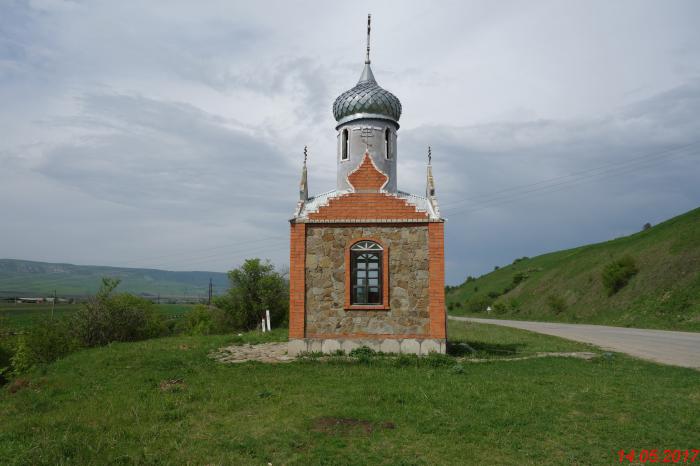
(306, 154)
(369, 27)
(430, 155)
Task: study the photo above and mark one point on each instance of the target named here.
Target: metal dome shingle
(367, 97)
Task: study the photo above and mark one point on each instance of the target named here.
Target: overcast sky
(170, 134)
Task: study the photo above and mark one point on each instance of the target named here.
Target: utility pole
(53, 304)
(210, 292)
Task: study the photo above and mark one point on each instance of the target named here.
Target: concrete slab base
(386, 345)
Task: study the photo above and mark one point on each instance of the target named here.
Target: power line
(642, 159)
(562, 185)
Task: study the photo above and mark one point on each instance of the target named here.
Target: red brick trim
(436, 278)
(368, 207)
(385, 277)
(297, 280)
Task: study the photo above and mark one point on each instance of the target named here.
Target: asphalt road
(664, 346)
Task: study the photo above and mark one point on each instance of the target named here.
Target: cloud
(140, 130)
(522, 188)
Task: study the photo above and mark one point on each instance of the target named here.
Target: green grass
(18, 317)
(567, 286)
(106, 406)
(494, 341)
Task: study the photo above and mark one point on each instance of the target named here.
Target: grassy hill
(567, 286)
(20, 277)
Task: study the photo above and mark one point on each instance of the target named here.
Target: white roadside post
(269, 325)
(263, 325)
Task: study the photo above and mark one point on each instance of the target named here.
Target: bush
(556, 303)
(5, 364)
(363, 354)
(514, 304)
(204, 320)
(477, 304)
(618, 273)
(255, 288)
(42, 344)
(519, 277)
(122, 317)
(438, 360)
(500, 308)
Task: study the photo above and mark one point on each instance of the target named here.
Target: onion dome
(366, 100)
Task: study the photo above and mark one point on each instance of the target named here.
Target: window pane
(373, 282)
(373, 296)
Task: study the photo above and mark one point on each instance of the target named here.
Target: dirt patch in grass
(172, 385)
(17, 385)
(348, 426)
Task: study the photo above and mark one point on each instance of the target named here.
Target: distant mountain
(20, 277)
(568, 286)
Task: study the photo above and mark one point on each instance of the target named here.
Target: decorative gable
(367, 178)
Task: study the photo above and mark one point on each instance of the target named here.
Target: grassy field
(17, 317)
(566, 286)
(164, 401)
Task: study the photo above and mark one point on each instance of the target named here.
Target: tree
(255, 287)
(646, 226)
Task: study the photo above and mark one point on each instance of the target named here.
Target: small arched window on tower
(344, 145)
(366, 272)
(387, 143)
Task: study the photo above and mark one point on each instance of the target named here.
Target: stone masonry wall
(408, 282)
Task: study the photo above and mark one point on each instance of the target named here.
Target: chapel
(366, 259)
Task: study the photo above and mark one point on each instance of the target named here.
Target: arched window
(344, 145)
(366, 273)
(387, 143)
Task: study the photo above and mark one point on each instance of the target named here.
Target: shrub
(519, 277)
(363, 354)
(43, 343)
(500, 308)
(438, 360)
(493, 294)
(122, 317)
(204, 320)
(514, 304)
(5, 364)
(556, 303)
(618, 273)
(255, 288)
(477, 303)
